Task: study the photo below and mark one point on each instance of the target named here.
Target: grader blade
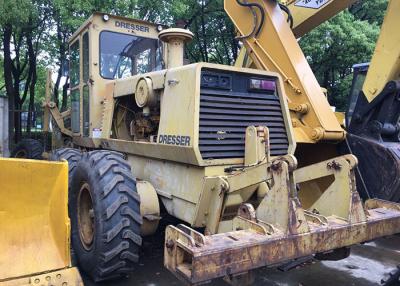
(286, 225)
(34, 224)
(195, 258)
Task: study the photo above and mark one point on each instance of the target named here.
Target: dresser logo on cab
(129, 26)
(174, 140)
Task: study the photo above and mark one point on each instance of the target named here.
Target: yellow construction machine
(213, 145)
(34, 224)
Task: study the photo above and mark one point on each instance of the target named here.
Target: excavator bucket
(373, 136)
(34, 224)
(386, 186)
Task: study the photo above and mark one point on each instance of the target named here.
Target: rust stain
(241, 251)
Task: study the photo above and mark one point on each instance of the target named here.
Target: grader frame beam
(61, 277)
(195, 258)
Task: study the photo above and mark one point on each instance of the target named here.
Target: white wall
(4, 151)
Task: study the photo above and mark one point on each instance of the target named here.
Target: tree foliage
(24, 26)
(336, 45)
(372, 11)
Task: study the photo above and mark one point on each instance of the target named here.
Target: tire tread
(119, 212)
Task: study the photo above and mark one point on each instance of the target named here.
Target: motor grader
(213, 145)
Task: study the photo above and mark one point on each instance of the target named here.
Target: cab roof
(100, 15)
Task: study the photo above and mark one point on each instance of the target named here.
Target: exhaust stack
(175, 39)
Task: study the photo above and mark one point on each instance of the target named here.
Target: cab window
(74, 64)
(123, 55)
(85, 56)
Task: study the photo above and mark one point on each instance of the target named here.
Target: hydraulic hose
(257, 26)
(287, 11)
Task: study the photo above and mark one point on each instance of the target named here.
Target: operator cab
(103, 49)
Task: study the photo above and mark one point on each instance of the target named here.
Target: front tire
(105, 216)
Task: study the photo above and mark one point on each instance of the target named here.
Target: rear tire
(72, 156)
(69, 154)
(28, 149)
(105, 216)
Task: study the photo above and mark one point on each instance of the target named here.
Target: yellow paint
(306, 19)
(341, 118)
(63, 277)
(34, 223)
(385, 64)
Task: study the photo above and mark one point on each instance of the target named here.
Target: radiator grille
(226, 113)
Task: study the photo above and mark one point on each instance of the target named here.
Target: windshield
(123, 55)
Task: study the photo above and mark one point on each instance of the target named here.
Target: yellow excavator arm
(385, 63)
(305, 16)
(272, 46)
(308, 15)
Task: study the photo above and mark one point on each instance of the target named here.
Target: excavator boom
(308, 15)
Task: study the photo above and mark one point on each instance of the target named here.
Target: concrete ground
(366, 266)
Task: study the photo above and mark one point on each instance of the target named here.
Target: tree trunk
(57, 85)
(203, 31)
(17, 121)
(32, 70)
(8, 79)
(62, 50)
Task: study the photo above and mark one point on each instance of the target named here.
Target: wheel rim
(21, 154)
(86, 217)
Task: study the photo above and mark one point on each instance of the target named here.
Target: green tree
(372, 11)
(23, 27)
(335, 46)
(66, 17)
